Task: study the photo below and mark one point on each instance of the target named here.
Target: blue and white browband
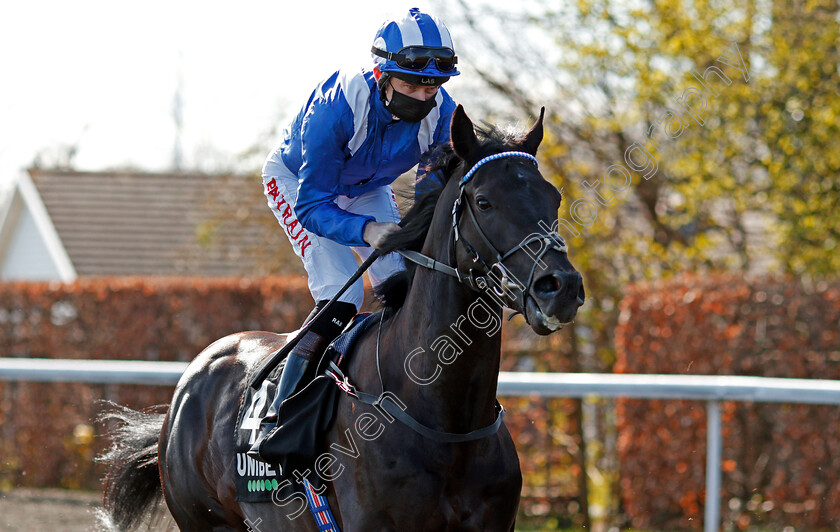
(493, 157)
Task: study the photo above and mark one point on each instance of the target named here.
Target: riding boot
(308, 349)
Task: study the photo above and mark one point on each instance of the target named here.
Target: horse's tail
(132, 483)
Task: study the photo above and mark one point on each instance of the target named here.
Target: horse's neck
(445, 347)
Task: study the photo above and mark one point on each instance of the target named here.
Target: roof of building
(135, 223)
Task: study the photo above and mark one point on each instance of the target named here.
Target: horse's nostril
(550, 284)
(581, 296)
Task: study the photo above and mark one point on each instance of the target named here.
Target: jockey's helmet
(416, 48)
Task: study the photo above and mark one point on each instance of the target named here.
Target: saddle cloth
(304, 419)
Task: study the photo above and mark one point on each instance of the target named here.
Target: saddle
(304, 419)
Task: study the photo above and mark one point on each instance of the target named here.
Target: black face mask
(407, 108)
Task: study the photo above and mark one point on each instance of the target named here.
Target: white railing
(710, 388)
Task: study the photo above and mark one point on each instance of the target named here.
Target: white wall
(27, 257)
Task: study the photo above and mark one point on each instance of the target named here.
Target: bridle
(495, 276)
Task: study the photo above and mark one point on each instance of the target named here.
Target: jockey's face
(418, 92)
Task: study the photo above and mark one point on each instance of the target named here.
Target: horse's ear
(462, 134)
(535, 136)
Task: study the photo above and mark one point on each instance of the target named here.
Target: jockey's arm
(323, 138)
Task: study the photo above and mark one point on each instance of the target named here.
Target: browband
(493, 157)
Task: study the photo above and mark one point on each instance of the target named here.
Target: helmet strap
(381, 82)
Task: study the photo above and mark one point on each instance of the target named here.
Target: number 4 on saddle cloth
(303, 420)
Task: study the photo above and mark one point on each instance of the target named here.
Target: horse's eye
(482, 203)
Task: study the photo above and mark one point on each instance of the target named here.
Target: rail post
(714, 446)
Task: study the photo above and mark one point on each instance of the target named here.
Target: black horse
(436, 352)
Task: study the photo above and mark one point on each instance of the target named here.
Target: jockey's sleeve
(324, 136)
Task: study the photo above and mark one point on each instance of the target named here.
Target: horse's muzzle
(556, 297)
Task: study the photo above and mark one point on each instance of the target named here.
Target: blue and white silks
(343, 142)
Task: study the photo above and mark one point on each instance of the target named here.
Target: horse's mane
(443, 164)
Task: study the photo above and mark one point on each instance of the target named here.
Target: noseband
(495, 276)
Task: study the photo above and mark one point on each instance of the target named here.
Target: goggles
(417, 58)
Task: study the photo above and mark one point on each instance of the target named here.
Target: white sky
(103, 74)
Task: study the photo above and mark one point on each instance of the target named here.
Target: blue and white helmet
(416, 46)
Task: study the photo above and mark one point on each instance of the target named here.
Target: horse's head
(502, 220)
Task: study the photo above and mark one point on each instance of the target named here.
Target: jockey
(329, 181)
